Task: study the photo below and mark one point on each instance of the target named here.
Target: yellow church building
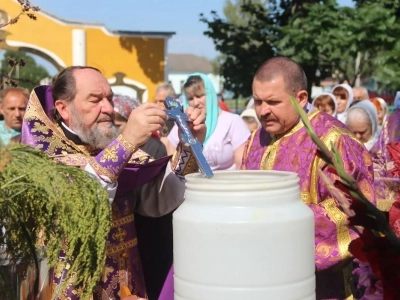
(134, 62)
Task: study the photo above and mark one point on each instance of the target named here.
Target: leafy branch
(13, 63)
(26, 9)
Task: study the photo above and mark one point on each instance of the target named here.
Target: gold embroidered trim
(330, 138)
(77, 160)
(122, 221)
(101, 171)
(384, 204)
(141, 157)
(122, 267)
(111, 250)
(340, 219)
(268, 158)
(191, 166)
(253, 135)
(126, 144)
(306, 198)
(35, 113)
(110, 154)
(183, 162)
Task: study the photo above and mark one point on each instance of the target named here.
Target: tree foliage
(353, 41)
(241, 48)
(349, 42)
(29, 76)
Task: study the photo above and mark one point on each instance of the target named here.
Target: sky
(179, 16)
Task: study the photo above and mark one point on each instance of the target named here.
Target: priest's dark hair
(64, 87)
(293, 74)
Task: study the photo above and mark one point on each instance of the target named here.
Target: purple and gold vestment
(386, 186)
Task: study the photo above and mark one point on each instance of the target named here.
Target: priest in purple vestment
(282, 143)
(73, 123)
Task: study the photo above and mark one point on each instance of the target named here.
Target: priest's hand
(142, 122)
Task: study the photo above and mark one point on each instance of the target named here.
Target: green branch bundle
(45, 203)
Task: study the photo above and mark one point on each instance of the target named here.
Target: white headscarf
(250, 104)
(384, 108)
(372, 113)
(343, 115)
(251, 112)
(333, 98)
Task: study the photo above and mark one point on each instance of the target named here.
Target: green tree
(349, 42)
(248, 35)
(240, 47)
(28, 76)
(353, 42)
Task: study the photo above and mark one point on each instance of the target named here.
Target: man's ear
(302, 98)
(61, 107)
(1, 109)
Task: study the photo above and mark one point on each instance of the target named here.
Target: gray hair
(168, 87)
(358, 114)
(23, 91)
(64, 87)
(363, 90)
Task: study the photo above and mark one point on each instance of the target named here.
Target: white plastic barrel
(244, 235)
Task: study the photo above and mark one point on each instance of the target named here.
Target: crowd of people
(137, 155)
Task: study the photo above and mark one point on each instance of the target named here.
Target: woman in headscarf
(381, 107)
(326, 102)
(226, 133)
(362, 120)
(344, 95)
(385, 111)
(250, 117)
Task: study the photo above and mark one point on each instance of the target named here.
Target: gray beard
(93, 136)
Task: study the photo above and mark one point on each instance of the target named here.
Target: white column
(78, 47)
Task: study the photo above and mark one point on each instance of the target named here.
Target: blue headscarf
(212, 108)
(397, 101)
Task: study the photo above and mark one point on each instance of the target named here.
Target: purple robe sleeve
(115, 162)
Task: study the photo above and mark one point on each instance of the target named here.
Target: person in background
(326, 102)
(360, 93)
(362, 120)
(226, 132)
(344, 95)
(382, 109)
(13, 102)
(251, 119)
(154, 232)
(163, 91)
(221, 103)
